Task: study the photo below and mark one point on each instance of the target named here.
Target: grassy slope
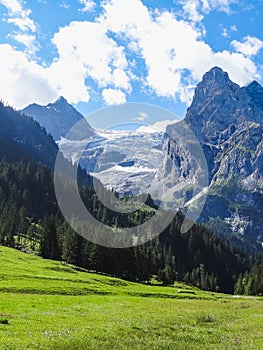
(48, 305)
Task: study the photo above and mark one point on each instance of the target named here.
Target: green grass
(49, 305)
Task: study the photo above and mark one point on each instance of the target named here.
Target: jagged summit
(219, 103)
(62, 104)
(214, 82)
(61, 101)
(216, 73)
(57, 117)
(254, 85)
(255, 92)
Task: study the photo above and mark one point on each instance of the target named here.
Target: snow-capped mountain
(124, 160)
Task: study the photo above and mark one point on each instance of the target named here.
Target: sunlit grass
(48, 305)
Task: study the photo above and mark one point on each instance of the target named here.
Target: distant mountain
(228, 123)
(124, 160)
(57, 118)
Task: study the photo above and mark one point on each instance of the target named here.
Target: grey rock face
(228, 123)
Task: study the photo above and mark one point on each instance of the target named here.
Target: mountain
(213, 158)
(57, 118)
(124, 160)
(227, 121)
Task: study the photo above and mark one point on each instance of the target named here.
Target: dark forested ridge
(30, 220)
(23, 138)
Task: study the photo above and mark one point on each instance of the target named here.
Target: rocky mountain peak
(255, 92)
(218, 104)
(57, 117)
(215, 75)
(62, 105)
(215, 82)
(61, 100)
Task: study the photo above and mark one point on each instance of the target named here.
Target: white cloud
(220, 5)
(191, 10)
(240, 69)
(172, 48)
(21, 81)
(85, 51)
(249, 47)
(225, 33)
(156, 127)
(113, 97)
(141, 116)
(28, 40)
(19, 16)
(195, 10)
(65, 5)
(88, 5)
(172, 52)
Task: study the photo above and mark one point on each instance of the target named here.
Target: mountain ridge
(228, 123)
(57, 117)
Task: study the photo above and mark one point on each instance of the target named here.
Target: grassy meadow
(51, 305)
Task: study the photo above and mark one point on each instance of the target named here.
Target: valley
(131, 175)
(214, 155)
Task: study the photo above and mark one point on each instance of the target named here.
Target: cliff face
(227, 121)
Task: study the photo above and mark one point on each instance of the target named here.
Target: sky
(106, 53)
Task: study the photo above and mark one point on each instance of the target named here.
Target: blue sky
(106, 53)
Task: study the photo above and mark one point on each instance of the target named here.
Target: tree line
(30, 220)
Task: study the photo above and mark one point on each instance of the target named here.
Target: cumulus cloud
(26, 27)
(195, 10)
(88, 5)
(85, 51)
(191, 10)
(21, 81)
(28, 40)
(164, 53)
(113, 96)
(250, 46)
(172, 48)
(19, 16)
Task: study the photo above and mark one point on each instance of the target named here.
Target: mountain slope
(57, 118)
(124, 160)
(26, 273)
(228, 123)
